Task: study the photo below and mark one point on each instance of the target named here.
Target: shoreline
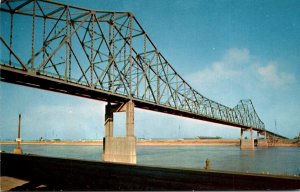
(174, 142)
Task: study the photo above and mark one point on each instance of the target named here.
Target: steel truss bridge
(103, 55)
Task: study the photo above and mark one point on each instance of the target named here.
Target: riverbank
(190, 142)
(173, 142)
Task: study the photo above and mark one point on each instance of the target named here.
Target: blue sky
(226, 50)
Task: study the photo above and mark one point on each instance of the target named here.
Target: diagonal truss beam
(107, 52)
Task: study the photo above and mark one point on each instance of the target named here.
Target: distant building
(207, 137)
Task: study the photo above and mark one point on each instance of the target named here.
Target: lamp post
(18, 149)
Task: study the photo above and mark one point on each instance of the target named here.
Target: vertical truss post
(67, 47)
(92, 48)
(125, 58)
(11, 35)
(145, 64)
(113, 52)
(111, 59)
(176, 91)
(70, 44)
(44, 39)
(144, 60)
(32, 34)
(157, 78)
(149, 82)
(220, 112)
(130, 56)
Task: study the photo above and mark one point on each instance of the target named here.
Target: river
(272, 160)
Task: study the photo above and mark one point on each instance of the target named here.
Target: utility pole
(18, 150)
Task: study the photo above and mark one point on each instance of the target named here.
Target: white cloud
(236, 55)
(238, 67)
(238, 74)
(227, 68)
(271, 76)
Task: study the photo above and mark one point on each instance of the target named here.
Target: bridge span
(107, 56)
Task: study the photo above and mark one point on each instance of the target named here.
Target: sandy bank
(191, 142)
(187, 142)
(87, 143)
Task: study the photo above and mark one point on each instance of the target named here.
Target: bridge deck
(20, 77)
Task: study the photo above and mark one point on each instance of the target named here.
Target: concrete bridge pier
(247, 144)
(119, 149)
(262, 142)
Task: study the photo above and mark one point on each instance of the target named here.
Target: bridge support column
(247, 144)
(119, 149)
(262, 142)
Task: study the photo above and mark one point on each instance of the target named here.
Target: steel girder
(106, 51)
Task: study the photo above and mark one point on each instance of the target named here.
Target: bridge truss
(104, 55)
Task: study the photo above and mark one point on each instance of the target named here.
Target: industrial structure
(106, 56)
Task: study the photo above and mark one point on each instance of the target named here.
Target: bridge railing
(104, 50)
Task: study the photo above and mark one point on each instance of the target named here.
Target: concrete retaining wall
(67, 174)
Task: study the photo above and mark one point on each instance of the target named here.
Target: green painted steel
(107, 55)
